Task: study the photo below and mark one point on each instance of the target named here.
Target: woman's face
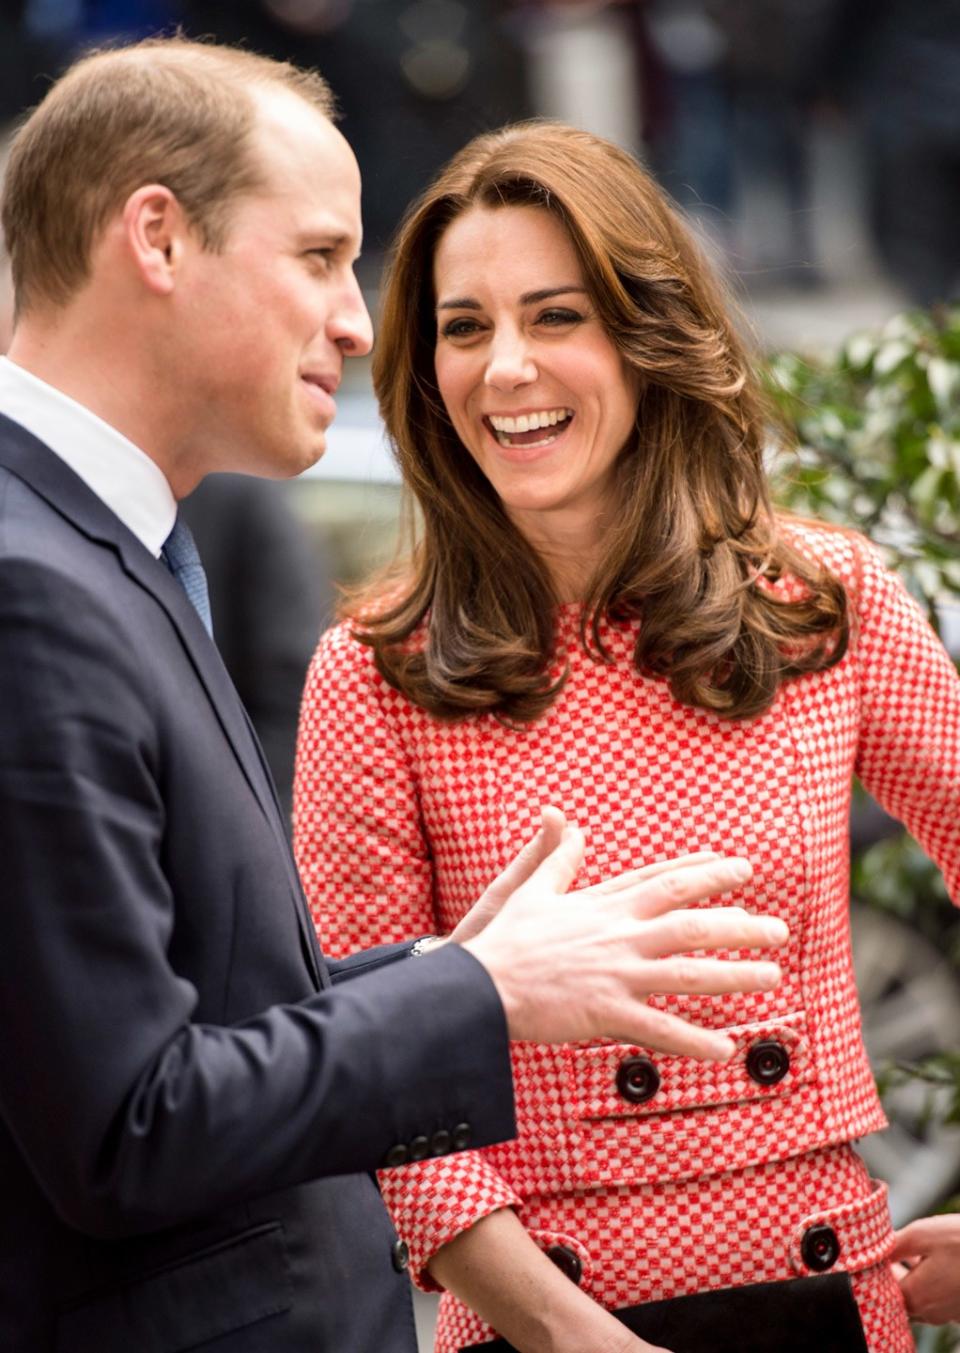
(532, 382)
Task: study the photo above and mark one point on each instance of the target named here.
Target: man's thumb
(559, 869)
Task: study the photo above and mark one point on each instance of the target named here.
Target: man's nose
(510, 362)
(350, 326)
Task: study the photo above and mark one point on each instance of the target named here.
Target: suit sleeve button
(637, 1079)
(419, 1148)
(399, 1255)
(441, 1143)
(820, 1248)
(567, 1261)
(462, 1136)
(397, 1155)
(768, 1062)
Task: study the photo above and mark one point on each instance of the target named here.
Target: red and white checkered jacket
(402, 820)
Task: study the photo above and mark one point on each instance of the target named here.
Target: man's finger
(532, 855)
(560, 867)
(649, 871)
(668, 1033)
(682, 884)
(707, 976)
(687, 932)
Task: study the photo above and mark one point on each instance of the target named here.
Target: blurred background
(815, 145)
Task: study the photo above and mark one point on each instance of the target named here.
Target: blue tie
(182, 558)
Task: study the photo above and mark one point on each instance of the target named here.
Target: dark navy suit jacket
(190, 1098)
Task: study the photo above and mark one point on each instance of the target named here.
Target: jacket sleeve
(366, 867)
(908, 755)
(132, 1114)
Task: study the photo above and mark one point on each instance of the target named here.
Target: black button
(567, 1261)
(637, 1079)
(419, 1148)
(768, 1062)
(462, 1136)
(441, 1142)
(399, 1255)
(820, 1248)
(397, 1155)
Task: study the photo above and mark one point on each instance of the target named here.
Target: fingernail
(722, 1049)
(768, 974)
(776, 931)
(740, 870)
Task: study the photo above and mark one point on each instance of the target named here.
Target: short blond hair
(166, 110)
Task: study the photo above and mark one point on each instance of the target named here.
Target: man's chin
(307, 455)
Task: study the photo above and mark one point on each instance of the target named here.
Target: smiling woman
(604, 612)
(535, 387)
(545, 272)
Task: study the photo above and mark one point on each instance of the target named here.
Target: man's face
(264, 325)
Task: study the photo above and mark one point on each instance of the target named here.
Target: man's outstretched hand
(580, 965)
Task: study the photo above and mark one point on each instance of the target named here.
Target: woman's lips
(535, 439)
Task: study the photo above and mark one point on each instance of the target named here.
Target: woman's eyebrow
(547, 294)
(528, 298)
(459, 303)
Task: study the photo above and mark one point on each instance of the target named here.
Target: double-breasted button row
(567, 1261)
(819, 1248)
(638, 1079)
(421, 1147)
(768, 1062)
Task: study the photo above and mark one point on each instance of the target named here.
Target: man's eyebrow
(528, 298)
(326, 239)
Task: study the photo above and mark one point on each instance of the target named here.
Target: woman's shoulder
(346, 659)
(842, 551)
(340, 646)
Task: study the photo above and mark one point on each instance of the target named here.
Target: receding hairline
(241, 67)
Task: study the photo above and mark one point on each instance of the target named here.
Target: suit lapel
(33, 462)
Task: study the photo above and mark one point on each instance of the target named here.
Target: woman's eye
(556, 317)
(460, 328)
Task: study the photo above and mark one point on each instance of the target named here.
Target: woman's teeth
(516, 431)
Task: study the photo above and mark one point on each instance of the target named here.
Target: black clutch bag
(805, 1315)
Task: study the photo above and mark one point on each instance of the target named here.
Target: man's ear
(155, 233)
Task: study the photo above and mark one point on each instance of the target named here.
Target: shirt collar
(121, 475)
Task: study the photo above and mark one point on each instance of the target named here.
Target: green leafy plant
(878, 435)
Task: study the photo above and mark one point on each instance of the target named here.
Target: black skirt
(806, 1315)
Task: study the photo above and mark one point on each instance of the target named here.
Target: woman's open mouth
(529, 430)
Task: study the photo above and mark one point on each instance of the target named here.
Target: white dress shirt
(119, 473)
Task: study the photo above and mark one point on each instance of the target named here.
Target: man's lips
(320, 389)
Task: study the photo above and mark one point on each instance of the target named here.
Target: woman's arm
(496, 1269)
(367, 872)
(362, 856)
(908, 752)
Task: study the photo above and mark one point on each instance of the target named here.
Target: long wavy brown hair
(466, 621)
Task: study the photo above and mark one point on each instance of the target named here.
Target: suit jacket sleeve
(365, 860)
(131, 1115)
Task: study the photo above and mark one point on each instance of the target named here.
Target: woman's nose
(510, 363)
